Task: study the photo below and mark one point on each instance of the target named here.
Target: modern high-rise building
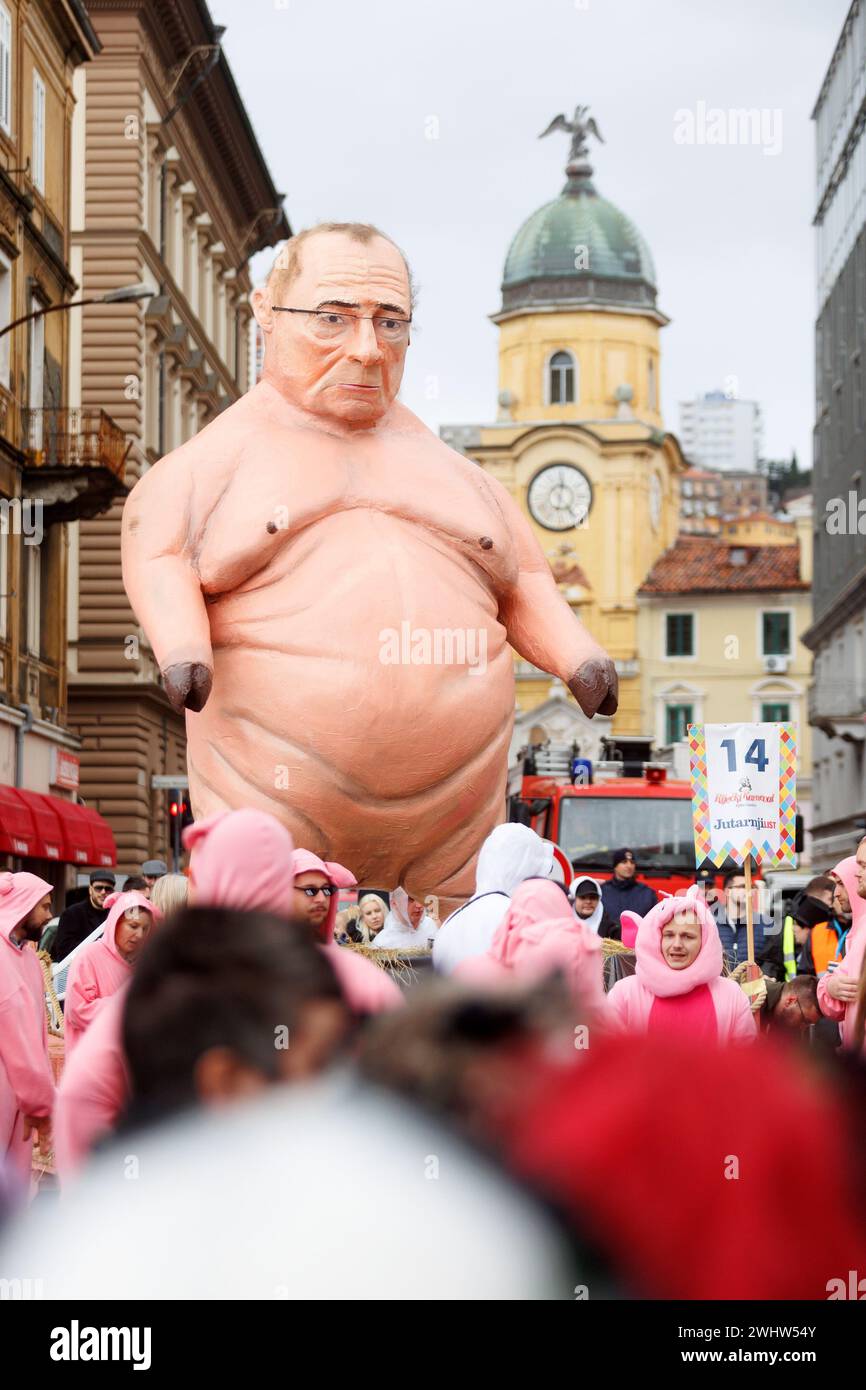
(720, 431)
(837, 635)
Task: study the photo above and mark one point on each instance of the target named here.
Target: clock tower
(579, 439)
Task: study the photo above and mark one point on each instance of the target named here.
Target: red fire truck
(589, 810)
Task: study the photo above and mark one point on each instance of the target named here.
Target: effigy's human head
(335, 313)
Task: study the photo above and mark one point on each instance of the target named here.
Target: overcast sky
(344, 97)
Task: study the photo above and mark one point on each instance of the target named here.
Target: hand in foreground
(842, 987)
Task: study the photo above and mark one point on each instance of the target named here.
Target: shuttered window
(38, 132)
(5, 69)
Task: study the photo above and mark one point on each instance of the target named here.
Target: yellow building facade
(579, 441)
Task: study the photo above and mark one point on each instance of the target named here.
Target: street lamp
(125, 295)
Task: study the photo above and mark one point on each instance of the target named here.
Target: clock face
(559, 497)
(655, 501)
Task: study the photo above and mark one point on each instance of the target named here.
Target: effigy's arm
(542, 628)
(163, 585)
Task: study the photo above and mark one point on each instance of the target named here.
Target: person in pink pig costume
(330, 591)
(678, 985)
(26, 1078)
(105, 966)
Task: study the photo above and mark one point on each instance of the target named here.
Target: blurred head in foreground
(223, 1004)
(472, 1054)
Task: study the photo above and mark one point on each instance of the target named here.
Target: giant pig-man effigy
(332, 593)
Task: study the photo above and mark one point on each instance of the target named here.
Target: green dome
(578, 248)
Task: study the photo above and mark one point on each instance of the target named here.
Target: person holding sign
(678, 986)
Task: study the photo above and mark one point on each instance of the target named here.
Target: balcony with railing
(837, 706)
(75, 460)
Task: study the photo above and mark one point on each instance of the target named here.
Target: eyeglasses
(326, 892)
(100, 887)
(329, 326)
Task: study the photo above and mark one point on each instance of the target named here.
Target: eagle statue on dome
(579, 128)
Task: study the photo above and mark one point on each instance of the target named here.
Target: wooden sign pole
(750, 927)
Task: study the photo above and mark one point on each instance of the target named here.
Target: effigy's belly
(371, 668)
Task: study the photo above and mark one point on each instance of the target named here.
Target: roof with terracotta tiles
(702, 565)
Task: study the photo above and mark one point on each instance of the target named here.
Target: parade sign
(744, 792)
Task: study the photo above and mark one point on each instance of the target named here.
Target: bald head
(335, 316)
(288, 264)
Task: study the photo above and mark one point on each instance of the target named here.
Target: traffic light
(179, 809)
(179, 817)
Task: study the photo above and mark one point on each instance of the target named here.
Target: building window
(652, 388)
(38, 171)
(4, 581)
(679, 634)
(5, 318)
(561, 376)
(776, 634)
(5, 69)
(33, 563)
(677, 720)
(778, 712)
(36, 384)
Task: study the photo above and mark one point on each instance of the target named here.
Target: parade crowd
(641, 1110)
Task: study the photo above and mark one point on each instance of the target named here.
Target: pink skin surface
(266, 557)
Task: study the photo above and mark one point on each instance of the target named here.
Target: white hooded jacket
(509, 855)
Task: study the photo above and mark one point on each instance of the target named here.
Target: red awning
(49, 835)
(39, 826)
(17, 831)
(104, 848)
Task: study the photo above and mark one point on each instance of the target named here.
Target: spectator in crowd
(82, 919)
(26, 1078)
(372, 911)
(137, 883)
(731, 919)
(224, 1004)
(539, 937)
(585, 896)
(838, 989)
(407, 926)
(104, 966)
(170, 893)
(431, 907)
(823, 940)
(678, 985)
(782, 955)
(624, 892)
(791, 1005)
(509, 855)
(152, 869)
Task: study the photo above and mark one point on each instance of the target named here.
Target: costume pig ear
(110, 900)
(629, 923)
(201, 828)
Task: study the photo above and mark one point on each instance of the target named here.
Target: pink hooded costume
(852, 965)
(241, 859)
(100, 970)
(368, 989)
(26, 1080)
(695, 1001)
(540, 935)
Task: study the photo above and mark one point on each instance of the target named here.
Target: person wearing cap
(585, 895)
(151, 870)
(623, 892)
(81, 919)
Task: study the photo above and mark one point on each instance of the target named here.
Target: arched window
(562, 371)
